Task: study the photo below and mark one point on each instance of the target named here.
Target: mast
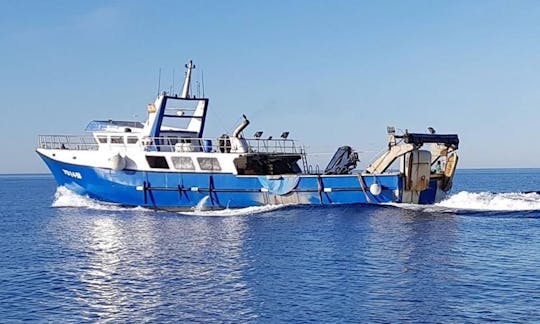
(187, 80)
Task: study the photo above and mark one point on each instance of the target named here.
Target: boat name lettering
(73, 174)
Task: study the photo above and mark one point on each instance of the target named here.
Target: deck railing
(272, 146)
(170, 144)
(68, 142)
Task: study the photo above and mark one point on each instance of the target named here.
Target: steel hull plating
(184, 191)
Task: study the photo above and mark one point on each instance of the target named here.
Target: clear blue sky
(331, 72)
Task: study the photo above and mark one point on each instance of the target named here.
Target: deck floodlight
(431, 130)
(284, 135)
(270, 137)
(258, 134)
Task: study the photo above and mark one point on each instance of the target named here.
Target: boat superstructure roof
(113, 126)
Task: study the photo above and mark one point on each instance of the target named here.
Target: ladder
(304, 159)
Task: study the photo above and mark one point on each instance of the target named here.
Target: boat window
(132, 139)
(117, 139)
(209, 164)
(157, 162)
(182, 163)
(102, 139)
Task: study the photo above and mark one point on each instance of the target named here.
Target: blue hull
(173, 190)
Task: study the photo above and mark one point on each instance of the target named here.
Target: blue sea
(475, 257)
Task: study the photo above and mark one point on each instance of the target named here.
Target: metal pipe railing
(67, 142)
(169, 144)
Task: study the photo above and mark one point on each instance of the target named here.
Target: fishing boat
(166, 162)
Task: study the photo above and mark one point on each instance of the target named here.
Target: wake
(65, 198)
(482, 202)
(463, 201)
(235, 211)
(511, 201)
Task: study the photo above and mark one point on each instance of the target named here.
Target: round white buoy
(117, 162)
(375, 189)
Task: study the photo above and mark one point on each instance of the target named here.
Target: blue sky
(331, 72)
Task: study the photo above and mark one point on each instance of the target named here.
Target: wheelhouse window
(132, 139)
(182, 163)
(102, 139)
(117, 139)
(209, 164)
(157, 162)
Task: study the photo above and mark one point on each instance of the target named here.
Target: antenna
(202, 81)
(172, 92)
(159, 82)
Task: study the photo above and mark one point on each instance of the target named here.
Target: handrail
(170, 144)
(223, 145)
(272, 145)
(68, 142)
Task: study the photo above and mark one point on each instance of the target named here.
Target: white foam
(511, 201)
(202, 203)
(481, 201)
(235, 211)
(67, 198)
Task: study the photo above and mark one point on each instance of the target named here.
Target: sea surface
(472, 258)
